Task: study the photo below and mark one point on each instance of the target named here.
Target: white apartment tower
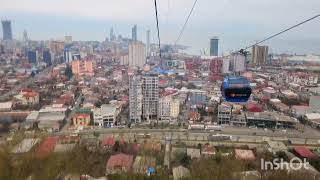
(137, 54)
(135, 98)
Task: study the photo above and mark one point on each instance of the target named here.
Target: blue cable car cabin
(236, 89)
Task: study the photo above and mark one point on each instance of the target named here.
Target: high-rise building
(214, 46)
(6, 29)
(112, 35)
(81, 68)
(68, 39)
(148, 42)
(237, 62)
(67, 55)
(150, 93)
(259, 55)
(47, 57)
(137, 54)
(25, 38)
(134, 33)
(135, 98)
(32, 56)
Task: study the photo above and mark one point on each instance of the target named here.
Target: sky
(238, 23)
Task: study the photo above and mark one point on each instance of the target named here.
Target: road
(68, 118)
(238, 134)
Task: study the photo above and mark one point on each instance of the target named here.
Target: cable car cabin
(236, 89)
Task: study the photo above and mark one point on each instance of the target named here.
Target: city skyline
(252, 20)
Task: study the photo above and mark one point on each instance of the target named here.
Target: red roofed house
(27, 97)
(207, 150)
(119, 163)
(108, 142)
(253, 107)
(47, 146)
(242, 154)
(81, 120)
(303, 152)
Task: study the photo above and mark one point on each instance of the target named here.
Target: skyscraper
(150, 93)
(214, 46)
(25, 36)
(47, 57)
(32, 56)
(134, 33)
(67, 55)
(259, 55)
(135, 99)
(148, 42)
(137, 54)
(112, 35)
(6, 29)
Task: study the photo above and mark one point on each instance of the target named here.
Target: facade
(224, 114)
(215, 66)
(137, 54)
(259, 55)
(169, 108)
(270, 120)
(67, 55)
(32, 57)
(134, 33)
(81, 68)
(214, 46)
(81, 120)
(105, 116)
(47, 57)
(150, 93)
(68, 39)
(6, 29)
(27, 98)
(135, 99)
(237, 63)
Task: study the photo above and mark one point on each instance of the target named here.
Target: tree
(68, 72)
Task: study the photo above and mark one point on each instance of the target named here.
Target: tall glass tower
(214, 46)
(134, 33)
(6, 29)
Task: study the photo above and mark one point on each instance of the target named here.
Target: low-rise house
(6, 106)
(224, 114)
(208, 150)
(119, 163)
(180, 172)
(303, 152)
(276, 146)
(64, 147)
(243, 154)
(108, 142)
(142, 163)
(25, 145)
(313, 119)
(52, 117)
(27, 97)
(81, 120)
(193, 153)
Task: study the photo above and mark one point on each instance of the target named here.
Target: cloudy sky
(238, 23)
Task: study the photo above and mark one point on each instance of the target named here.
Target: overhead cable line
(281, 32)
(186, 22)
(156, 10)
